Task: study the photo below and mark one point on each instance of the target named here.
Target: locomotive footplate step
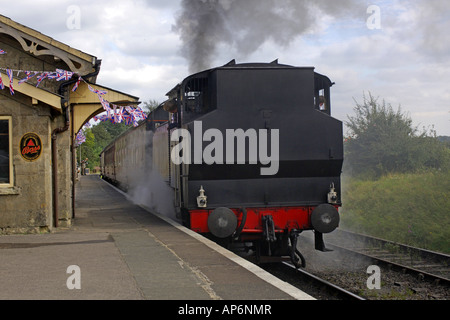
(118, 250)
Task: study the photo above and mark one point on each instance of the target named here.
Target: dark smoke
(246, 24)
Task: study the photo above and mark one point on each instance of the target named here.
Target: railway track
(426, 264)
(310, 283)
(406, 273)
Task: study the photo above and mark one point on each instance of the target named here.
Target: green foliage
(406, 208)
(97, 138)
(89, 145)
(102, 134)
(396, 179)
(150, 105)
(384, 141)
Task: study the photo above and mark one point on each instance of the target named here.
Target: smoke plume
(245, 25)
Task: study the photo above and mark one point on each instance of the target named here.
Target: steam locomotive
(250, 151)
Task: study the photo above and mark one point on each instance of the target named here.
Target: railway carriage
(252, 154)
(125, 157)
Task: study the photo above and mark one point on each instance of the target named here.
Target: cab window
(322, 97)
(196, 98)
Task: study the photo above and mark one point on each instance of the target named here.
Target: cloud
(401, 63)
(424, 25)
(247, 25)
(405, 62)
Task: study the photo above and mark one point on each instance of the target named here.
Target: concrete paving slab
(124, 252)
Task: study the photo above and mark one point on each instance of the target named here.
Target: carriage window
(5, 152)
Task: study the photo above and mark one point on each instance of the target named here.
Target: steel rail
(340, 292)
(406, 250)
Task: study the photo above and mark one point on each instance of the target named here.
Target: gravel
(352, 274)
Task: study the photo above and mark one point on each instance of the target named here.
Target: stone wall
(28, 206)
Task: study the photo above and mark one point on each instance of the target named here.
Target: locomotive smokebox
(325, 218)
(222, 222)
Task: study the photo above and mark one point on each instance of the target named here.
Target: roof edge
(48, 40)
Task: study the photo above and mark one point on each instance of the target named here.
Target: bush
(396, 179)
(406, 208)
(383, 141)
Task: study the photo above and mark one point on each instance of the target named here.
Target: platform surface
(121, 251)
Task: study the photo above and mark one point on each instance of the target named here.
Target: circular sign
(30, 146)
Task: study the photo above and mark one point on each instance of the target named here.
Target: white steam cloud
(146, 185)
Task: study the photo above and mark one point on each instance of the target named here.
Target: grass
(413, 209)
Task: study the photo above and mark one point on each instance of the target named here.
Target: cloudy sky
(397, 50)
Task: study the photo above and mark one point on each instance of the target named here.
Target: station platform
(117, 250)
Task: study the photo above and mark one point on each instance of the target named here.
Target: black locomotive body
(252, 154)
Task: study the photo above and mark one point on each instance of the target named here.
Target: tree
(150, 105)
(382, 141)
(97, 138)
(86, 149)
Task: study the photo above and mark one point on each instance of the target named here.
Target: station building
(39, 119)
